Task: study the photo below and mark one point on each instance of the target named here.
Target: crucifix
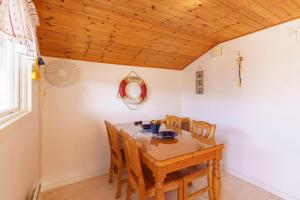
(296, 32)
(239, 61)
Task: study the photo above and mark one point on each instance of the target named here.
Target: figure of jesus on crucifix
(239, 61)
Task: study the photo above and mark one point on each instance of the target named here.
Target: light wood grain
(166, 156)
(173, 121)
(141, 180)
(185, 123)
(165, 34)
(116, 157)
(177, 122)
(203, 131)
(163, 150)
(193, 173)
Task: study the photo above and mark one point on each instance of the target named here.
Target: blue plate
(167, 134)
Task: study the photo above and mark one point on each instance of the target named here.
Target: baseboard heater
(35, 194)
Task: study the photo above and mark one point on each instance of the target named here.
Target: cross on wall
(239, 61)
(295, 31)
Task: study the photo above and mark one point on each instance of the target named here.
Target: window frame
(22, 68)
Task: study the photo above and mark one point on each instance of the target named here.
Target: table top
(163, 149)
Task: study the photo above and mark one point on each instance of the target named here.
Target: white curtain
(18, 21)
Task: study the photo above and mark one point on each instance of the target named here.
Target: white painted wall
(74, 143)
(259, 122)
(19, 154)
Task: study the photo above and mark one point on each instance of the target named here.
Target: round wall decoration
(133, 90)
(62, 73)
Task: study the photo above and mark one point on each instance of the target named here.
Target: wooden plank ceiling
(152, 33)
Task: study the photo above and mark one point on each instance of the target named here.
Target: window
(15, 68)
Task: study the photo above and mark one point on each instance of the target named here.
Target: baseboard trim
(259, 184)
(67, 181)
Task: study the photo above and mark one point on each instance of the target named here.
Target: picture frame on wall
(199, 74)
(199, 82)
(199, 90)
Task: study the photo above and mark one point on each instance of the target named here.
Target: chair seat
(171, 182)
(193, 169)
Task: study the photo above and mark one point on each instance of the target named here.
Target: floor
(98, 189)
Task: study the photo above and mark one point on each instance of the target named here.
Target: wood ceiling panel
(152, 33)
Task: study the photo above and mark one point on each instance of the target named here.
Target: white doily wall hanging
(62, 73)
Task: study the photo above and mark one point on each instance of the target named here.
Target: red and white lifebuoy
(127, 99)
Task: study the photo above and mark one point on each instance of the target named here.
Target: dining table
(163, 156)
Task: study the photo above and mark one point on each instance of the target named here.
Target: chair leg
(119, 189)
(185, 190)
(128, 190)
(111, 172)
(180, 191)
(210, 182)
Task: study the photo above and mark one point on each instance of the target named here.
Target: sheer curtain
(18, 43)
(18, 22)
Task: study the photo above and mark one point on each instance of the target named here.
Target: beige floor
(98, 189)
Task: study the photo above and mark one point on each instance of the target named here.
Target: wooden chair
(173, 121)
(203, 131)
(178, 122)
(195, 172)
(140, 178)
(117, 157)
(184, 123)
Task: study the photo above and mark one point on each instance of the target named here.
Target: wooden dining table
(163, 156)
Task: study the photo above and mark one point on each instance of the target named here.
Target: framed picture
(199, 90)
(199, 74)
(199, 82)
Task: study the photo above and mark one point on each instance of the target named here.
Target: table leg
(216, 179)
(159, 180)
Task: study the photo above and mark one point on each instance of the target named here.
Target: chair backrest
(113, 137)
(203, 130)
(173, 121)
(107, 125)
(133, 162)
(184, 123)
(178, 122)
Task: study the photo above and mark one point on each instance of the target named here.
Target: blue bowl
(155, 128)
